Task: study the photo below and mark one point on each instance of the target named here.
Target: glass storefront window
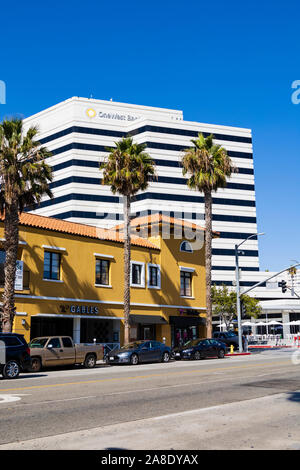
(183, 335)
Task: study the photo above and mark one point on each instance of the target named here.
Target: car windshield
(134, 345)
(38, 342)
(230, 334)
(192, 342)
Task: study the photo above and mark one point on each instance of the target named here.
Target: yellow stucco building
(70, 280)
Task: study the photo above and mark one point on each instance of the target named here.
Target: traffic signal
(283, 286)
(243, 310)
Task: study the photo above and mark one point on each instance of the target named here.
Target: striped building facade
(78, 132)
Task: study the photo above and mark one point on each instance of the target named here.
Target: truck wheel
(11, 370)
(36, 364)
(90, 361)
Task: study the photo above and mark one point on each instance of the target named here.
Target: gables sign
(79, 309)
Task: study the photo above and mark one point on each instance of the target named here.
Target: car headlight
(124, 354)
(187, 351)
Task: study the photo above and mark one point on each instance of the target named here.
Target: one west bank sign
(92, 113)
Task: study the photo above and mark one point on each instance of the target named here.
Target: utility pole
(237, 277)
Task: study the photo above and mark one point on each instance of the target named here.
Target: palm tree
(208, 166)
(24, 179)
(127, 170)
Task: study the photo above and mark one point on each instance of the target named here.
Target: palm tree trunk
(11, 233)
(127, 256)
(208, 245)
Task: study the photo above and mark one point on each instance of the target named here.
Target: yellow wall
(78, 277)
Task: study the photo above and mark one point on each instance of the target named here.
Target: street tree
(127, 170)
(224, 305)
(24, 179)
(207, 166)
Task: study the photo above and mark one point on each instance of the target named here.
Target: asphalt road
(237, 402)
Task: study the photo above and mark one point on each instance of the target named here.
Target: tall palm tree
(24, 179)
(127, 170)
(207, 166)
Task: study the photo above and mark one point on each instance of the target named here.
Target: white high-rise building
(78, 132)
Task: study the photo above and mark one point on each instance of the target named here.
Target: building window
(52, 265)
(137, 274)
(154, 276)
(185, 283)
(102, 272)
(186, 247)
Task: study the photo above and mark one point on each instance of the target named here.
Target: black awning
(148, 319)
(182, 322)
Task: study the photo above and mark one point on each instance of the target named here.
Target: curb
(269, 347)
(239, 354)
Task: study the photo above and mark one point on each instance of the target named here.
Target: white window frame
(188, 270)
(57, 251)
(149, 265)
(101, 255)
(53, 248)
(142, 285)
(104, 258)
(185, 251)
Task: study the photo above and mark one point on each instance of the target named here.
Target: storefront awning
(183, 322)
(148, 319)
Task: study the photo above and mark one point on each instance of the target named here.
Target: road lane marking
(163, 387)
(34, 387)
(46, 402)
(5, 398)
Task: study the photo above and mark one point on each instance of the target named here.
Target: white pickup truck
(52, 351)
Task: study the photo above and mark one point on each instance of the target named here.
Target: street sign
(19, 275)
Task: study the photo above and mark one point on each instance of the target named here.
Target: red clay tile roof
(160, 218)
(73, 228)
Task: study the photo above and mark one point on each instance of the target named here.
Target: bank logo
(2, 92)
(90, 112)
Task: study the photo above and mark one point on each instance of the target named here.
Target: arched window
(186, 246)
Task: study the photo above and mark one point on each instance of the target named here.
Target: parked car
(51, 351)
(14, 355)
(140, 351)
(200, 349)
(227, 337)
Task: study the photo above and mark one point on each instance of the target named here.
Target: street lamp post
(237, 276)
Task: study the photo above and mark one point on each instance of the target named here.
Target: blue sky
(229, 63)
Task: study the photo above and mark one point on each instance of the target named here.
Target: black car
(14, 355)
(227, 337)
(200, 348)
(140, 351)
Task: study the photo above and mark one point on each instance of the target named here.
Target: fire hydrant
(231, 349)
